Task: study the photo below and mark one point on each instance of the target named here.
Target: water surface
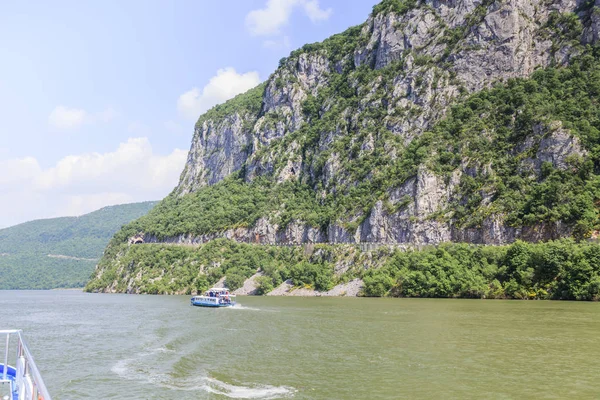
(159, 347)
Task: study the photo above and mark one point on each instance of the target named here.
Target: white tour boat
(19, 376)
(214, 297)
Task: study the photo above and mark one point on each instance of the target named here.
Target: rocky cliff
(332, 107)
(435, 121)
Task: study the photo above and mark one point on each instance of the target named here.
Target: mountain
(433, 122)
(60, 252)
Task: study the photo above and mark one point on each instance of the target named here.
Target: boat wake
(215, 386)
(241, 307)
(138, 370)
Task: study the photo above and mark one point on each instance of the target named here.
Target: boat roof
(218, 289)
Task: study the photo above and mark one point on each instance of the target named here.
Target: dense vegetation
(396, 6)
(185, 269)
(506, 113)
(487, 148)
(231, 203)
(554, 270)
(245, 103)
(76, 242)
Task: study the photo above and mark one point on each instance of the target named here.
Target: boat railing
(217, 294)
(28, 381)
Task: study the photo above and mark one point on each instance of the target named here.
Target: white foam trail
(121, 368)
(161, 350)
(132, 369)
(243, 392)
(241, 307)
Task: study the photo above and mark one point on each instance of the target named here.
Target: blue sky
(98, 99)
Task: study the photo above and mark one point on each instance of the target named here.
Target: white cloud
(17, 170)
(65, 118)
(221, 87)
(316, 13)
(269, 20)
(132, 165)
(78, 184)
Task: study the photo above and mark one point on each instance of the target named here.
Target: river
(158, 347)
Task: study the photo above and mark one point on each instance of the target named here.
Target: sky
(98, 100)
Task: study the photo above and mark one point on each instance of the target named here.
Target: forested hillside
(60, 252)
(473, 122)
(553, 270)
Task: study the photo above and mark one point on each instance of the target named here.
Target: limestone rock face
(558, 147)
(218, 149)
(425, 194)
(438, 51)
(555, 145)
(592, 31)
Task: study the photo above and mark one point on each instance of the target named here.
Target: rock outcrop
(436, 53)
(371, 92)
(500, 40)
(434, 121)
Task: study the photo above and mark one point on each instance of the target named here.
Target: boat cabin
(217, 292)
(214, 297)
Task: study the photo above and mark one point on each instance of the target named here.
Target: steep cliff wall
(344, 117)
(438, 50)
(434, 121)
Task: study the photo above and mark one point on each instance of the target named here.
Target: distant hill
(60, 252)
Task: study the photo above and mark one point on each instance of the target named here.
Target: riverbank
(251, 288)
(559, 270)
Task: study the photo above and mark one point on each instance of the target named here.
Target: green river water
(158, 347)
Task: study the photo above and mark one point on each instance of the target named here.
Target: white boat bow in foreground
(19, 377)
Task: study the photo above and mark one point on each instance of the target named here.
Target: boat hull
(201, 304)
(215, 298)
(11, 374)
